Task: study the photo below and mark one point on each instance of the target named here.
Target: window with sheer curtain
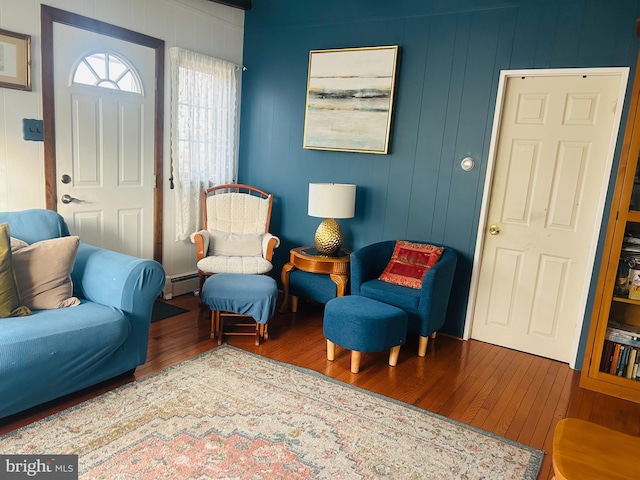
(204, 131)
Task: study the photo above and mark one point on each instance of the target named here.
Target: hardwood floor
(513, 394)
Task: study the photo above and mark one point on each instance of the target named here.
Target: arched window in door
(107, 70)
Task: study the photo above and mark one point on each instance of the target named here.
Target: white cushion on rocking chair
(246, 265)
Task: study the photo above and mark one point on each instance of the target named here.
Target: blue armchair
(426, 307)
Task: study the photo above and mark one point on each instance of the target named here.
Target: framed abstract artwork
(350, 95)
(15, 60)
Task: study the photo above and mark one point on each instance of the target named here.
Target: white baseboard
(176, 285)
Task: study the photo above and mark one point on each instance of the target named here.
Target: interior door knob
(66, 198)
(494, 230)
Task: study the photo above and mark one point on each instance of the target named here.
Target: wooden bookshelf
(611, 309)
(630, 301)
(633, 216)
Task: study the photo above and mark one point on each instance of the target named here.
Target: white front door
(553, 154)
(105, 140)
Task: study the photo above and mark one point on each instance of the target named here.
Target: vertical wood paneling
(402, 161)
(526, 37)
(4, 164)
(156, 22)
(452, 124)
(200, 25)
(117, 12)
(183, 27)
(627, 12)
(414, 62)
(16, 105)
(435, 89)
(600, 24)
(547, 26)
(74, 6)
(137, 15)
(566, 40)
(88, 8)
(452, 54)
(477, 91)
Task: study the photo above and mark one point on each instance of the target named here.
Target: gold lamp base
(328, 237)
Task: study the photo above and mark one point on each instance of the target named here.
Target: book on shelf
(624, 351)
(632, 360)
(614, 359)
(621, 360)
(607, 355)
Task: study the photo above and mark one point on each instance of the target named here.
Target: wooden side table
(308, 260)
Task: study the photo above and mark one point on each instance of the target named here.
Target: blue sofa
(52, 353)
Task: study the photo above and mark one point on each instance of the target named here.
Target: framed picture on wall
(15, 60)
(350, 95)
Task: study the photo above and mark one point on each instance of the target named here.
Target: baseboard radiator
(176, 285)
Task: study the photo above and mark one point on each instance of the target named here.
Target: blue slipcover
(52, 353)
(314, 286)
(253, 295)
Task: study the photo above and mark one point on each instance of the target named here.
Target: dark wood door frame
(49, 15)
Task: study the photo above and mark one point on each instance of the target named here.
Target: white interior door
(553, 156)
(104, 140)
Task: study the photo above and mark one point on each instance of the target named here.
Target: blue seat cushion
(71, 342)
(253, 295)
(402, 297)
(363, 324)
(314, 286)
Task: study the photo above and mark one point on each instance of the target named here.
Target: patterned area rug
(231, 414)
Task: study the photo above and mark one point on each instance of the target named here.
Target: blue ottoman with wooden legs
(361, 324)
(240, 295)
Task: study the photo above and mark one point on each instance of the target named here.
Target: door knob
(66, 198)
(494, 230)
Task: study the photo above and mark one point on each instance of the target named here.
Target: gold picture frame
(350, 94)
(15, 60)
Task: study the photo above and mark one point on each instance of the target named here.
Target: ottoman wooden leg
(257, 334)
(214, 324)
(220, 323)
(331, 351)
(393, 355)
(422, 346)
(355, 361)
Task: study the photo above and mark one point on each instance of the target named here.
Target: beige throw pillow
(235, 244)
(17, 244)
(43, 273)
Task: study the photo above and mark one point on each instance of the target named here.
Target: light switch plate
(32, 129)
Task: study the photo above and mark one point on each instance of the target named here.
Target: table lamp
(331, 201)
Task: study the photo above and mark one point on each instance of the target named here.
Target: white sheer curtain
(204, 130)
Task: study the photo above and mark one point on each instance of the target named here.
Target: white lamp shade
(332, 200)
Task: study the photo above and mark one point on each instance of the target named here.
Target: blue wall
(451, 56)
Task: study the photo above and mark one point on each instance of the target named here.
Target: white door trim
(623, 72)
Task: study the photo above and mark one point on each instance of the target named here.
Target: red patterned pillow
(410, 263)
